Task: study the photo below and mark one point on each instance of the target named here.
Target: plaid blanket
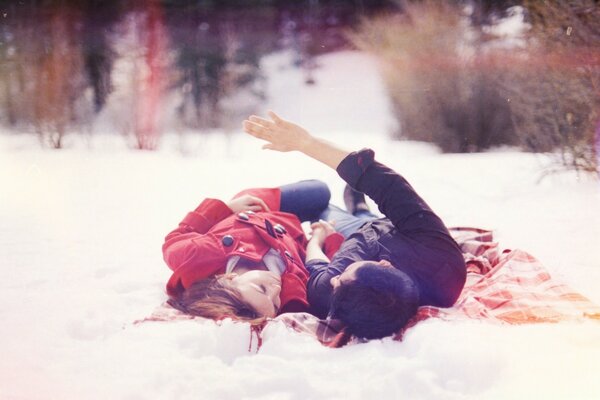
(508, 287)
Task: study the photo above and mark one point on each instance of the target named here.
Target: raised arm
(283, 135)
(394, 196)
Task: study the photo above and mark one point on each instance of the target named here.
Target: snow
(348, 96)
(511, 25)
(81, 231)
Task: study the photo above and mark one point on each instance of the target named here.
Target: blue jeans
(306, 199)
(309, 201)
(346, 223)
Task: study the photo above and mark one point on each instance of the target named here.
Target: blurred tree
(99, 18)
(553, 83)
(439, 91)
(15, 47)
(43, 73)
(218, 54)
(58, 82)
(66, 63)
(219, 46)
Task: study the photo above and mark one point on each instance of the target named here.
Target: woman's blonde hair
(216, 299)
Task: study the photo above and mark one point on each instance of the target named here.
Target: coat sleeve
(394, 196)
(271, 196)
(332, 244)
(178, 246)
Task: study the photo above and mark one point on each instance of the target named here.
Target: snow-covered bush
(430, 55)
(524, 75)
(554, 87)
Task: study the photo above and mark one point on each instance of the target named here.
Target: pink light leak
(148, 107)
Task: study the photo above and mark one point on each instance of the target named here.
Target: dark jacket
(412, 237)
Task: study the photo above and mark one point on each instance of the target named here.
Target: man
(388, 267)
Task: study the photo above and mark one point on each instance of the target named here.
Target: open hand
(280, 134)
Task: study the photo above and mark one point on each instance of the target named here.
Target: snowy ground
(80, 237)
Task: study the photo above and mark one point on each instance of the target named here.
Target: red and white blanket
(508, 287)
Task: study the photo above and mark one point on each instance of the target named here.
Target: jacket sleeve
(394, 196)
(271, 196)
(332, 244)
(318, 288)
(178, 246)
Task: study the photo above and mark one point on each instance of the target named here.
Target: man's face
(349, 273)
(260, 289)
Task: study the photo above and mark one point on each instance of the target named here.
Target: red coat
(200, 247)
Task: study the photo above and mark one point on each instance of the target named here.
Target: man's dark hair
(378, 303)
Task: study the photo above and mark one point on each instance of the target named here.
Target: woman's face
(261, 290)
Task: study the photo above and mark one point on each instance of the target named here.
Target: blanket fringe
(256, 330)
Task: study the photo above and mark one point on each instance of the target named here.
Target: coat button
(288, 255)
(227, 240)
(243, 216)
(279, 229)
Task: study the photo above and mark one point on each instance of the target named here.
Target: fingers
(256, 130)
(260, 132)
(262, 204)
(325, 226)
(258, 127)
(248, 202)
(270, 131)
(322, 222)
(256, 204)
(275, 117)
(261, 121)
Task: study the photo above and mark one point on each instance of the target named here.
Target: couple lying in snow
(249, 259)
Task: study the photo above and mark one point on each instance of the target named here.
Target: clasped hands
(320, 230)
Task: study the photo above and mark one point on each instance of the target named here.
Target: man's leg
(306, 199)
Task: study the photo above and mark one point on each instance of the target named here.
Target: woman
(245, 259)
